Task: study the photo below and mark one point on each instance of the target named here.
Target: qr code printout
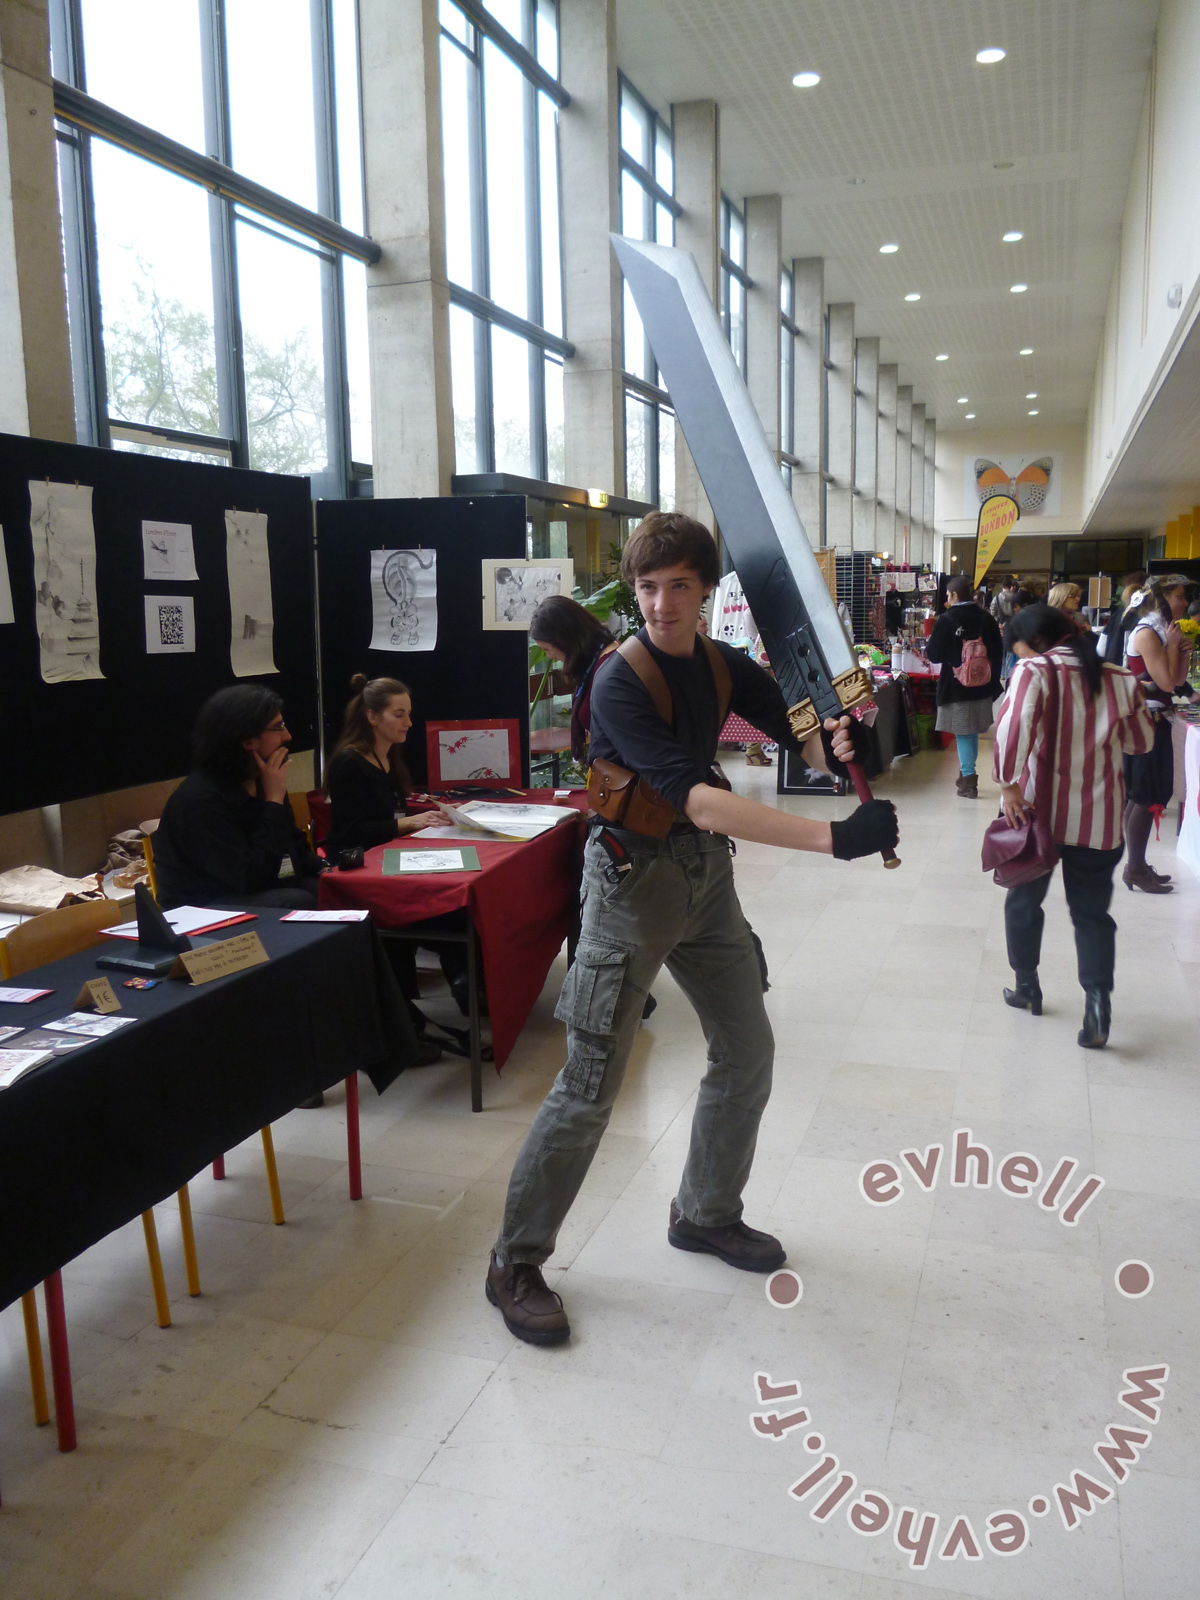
(170, 625)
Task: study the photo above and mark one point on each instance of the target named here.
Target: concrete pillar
(36, 397)
(866, 451)
(931, 540)
(588, 144)
(885, 465)
(408, 303)
(764, 262)
(903, 546)
(808, 396)
(696, 130)
(917, 490)
(839, 491)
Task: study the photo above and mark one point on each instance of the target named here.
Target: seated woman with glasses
(227, 835)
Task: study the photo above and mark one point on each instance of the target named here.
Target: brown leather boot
(736, 1244)
(968, 787)
(530, 1308)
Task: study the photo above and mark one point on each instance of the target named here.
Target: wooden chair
(151, 872)
(30, 944)
(302, 812)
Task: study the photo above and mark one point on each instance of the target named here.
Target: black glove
(861, 741)
(865, 832)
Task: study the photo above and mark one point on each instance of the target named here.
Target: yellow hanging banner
(997, 515)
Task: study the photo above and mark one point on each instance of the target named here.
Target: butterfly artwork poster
(1034, 482)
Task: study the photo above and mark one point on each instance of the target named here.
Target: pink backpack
(974, 670)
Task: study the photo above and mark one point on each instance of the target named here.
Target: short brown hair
(961, 586)
(670, 539)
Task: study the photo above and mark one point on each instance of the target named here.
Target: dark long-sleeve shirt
(363, 801)
(945, 646)
(628, 730)
(215, 841)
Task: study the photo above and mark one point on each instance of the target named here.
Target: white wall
(955, 448)
(1160, 246)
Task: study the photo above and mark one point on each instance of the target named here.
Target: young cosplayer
(655, 901)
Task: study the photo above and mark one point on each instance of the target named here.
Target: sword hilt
(863, 790)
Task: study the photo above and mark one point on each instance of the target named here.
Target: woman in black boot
(1157, 655)
(1091, 713)
(966, 641)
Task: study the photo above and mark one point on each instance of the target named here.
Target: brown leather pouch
(627, 801)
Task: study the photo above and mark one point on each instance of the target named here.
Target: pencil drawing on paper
(252, 619)
(513, 590)
(403, 599)
(64, 575)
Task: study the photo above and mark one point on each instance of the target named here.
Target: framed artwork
(513, 590)
(485, 750)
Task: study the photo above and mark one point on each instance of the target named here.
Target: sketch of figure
(64, 571)
(404, 599)
(513, 590)
(251, 614)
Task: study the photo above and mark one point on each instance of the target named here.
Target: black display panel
(469, 673)
(63, 741)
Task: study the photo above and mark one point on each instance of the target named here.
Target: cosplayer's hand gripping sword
(811, 656)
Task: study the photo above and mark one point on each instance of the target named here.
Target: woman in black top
(964, 711)
(567, 632)
(367, 782)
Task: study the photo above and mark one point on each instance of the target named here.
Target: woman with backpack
(966, 641)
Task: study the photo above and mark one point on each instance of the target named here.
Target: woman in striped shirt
(1101, 717)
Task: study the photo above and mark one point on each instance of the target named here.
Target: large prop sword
(811, 656)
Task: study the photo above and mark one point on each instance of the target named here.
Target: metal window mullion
(486, 24)
(227, 322)
(333, 324)
(649, 182)
(533, 259)
(485, 426)
(649, 231)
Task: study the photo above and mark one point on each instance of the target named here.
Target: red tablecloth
(521, 901)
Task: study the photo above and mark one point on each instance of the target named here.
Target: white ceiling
(903, 104)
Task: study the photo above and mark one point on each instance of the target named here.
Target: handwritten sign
(224, 957)
(98, 993)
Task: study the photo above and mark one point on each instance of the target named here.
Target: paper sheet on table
(403, 599)
(22, 1061)
(252, 619)
(168, 553)
(40, 1039)
(64, 580)
(185, 919)
(6, 605)
(509, 822)
(403, 862)
(93, 1027)
(21, 997)
(170, 624)
(326, 916)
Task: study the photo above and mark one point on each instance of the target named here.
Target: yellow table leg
(272, 1177)
(161, 1304)
(37, 1371)
(189, 1240)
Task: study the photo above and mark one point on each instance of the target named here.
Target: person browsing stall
(967, 687)
(367, 781)
(660, 898)
(1157, 652)
(227, 835)
(569, 633)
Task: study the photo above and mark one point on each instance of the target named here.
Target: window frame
(80, 118)
(731, 270)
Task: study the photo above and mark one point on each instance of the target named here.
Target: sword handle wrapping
(863, 790)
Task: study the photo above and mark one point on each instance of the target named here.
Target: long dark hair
(1042, 626)
(227, 719)
(358, 733)
(567, 626)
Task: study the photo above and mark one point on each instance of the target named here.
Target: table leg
(272, 1178)
(37, 1372)
(60, 1361)
(162, 1305)
(473, 975)
(191, 1265)
(353, 1151)
(219, 1168)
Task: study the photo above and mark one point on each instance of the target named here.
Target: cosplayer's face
(670, 600)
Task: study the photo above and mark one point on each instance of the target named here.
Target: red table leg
(353, 1154)
(219, 1167)
(60, 1361)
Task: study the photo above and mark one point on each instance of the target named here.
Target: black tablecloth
(91, 1139)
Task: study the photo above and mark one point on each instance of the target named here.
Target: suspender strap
(651, 676)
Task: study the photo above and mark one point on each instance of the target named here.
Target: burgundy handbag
(1019, 855)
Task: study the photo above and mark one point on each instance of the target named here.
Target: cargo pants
(676, 907)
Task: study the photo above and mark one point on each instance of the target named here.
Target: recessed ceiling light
(970, 416)
(1028, 351)
(1002, 166)
(888, 249)
(807, 80)
(1018, 288)
(1033, 413)
(1013, 236)
(1032, 395)
(941, 358)
(964, 399)
(913, 296)
(854, 182)
(989, 57)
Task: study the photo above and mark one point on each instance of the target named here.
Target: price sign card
(98, 993)
(221, 959)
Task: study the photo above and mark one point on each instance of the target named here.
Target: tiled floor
(342, 1414)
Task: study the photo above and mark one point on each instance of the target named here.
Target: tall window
(735, 280)
(648, 211)
(216, 264)
(500, 102)
(788, 334)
